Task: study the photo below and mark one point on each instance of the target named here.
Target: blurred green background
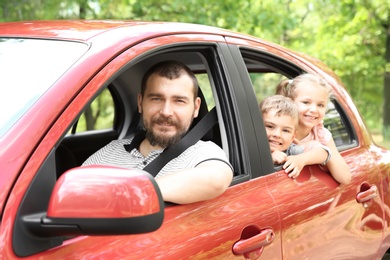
(351, 36)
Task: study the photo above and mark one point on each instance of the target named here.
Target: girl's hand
(293, 166)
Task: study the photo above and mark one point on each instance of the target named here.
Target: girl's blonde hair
(287, 87)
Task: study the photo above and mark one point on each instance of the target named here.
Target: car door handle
(243, 246)
(367, 193)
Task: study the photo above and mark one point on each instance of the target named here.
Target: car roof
(117, 32)
(121, 33)
(84, 30)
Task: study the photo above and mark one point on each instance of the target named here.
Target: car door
(320, 218)
(243, 222)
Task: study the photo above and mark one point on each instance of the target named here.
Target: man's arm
(206, 181)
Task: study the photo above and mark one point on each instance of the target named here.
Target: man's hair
(283, 106)
(171, 70)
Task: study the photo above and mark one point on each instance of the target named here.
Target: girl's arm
(314, 154)
(337, 166)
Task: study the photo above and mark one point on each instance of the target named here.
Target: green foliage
(347, 35)
(28, 10)
(204, 84)
(102, 114)
(356, 53)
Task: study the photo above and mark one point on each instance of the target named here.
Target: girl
(311, 94)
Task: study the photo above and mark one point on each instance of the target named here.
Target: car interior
(265, 71)
(76, 147)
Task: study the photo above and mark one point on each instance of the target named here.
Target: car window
(114, 109)
(265, 76)
(262, 83)
(26, 81)
(336, 124)
(204, 85)
(99, 115)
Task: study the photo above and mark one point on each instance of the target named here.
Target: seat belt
(192, 136)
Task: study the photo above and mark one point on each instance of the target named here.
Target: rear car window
(266, 76)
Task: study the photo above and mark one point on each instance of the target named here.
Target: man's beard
(161, 140)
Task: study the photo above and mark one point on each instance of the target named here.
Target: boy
(280, 116)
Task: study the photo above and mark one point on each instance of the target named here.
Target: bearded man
(168, 103)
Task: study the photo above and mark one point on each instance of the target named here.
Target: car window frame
(286, 72)
(289, 70)
(229, 96)
(224, 99)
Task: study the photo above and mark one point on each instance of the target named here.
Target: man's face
(168, 109)
(280, 130)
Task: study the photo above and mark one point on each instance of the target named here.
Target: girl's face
(312, 104)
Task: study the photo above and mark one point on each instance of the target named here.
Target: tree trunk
(83, 9)
(89, 119)
(386, 89)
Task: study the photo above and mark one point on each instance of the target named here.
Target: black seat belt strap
(193, 136)
(137, 140)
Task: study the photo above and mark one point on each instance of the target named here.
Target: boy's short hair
(283, 106)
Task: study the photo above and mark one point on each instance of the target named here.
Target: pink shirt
(318, 133)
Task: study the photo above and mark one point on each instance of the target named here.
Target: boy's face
(281, 130)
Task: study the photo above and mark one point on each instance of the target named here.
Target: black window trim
(289, 70)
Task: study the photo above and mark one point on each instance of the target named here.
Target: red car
(70, 87)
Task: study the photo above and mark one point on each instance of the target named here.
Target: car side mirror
(101, 200)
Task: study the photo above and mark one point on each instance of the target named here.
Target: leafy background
(351, 36)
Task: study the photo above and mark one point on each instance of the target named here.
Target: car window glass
(99, 115)
(204, 85)
(262, 83)
(334, 122)
(28, 68)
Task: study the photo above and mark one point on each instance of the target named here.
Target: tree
(351, 41)
(347, 35)
(380, 12)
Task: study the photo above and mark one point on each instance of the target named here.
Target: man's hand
(206, 181)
